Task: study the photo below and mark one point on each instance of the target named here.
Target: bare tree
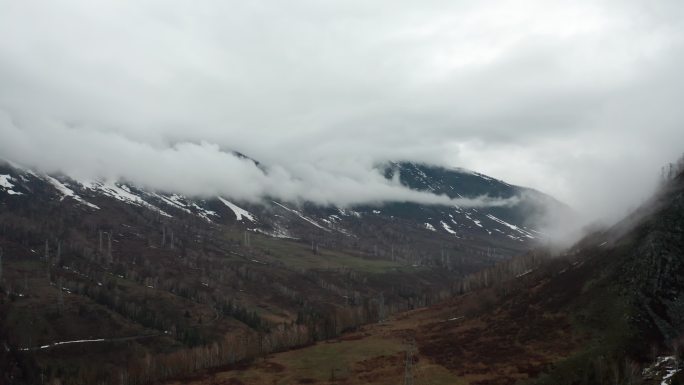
(248, 241)
(109, 247)
(59, 252)
(60, 295)
(47, 260)
(408, 369)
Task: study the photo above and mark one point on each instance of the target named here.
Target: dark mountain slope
(608, 306)
(104, 280)
(414, 233)
(462, 183)
(608, 311)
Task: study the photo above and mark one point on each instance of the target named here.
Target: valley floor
(463, 341)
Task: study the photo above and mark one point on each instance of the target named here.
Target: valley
(583, 317)
(161, 295)
(156, 286)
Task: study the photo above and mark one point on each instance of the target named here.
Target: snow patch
(67, 192)
(63, 343)
(303, 216)
(447, 228)
(349, 212)
(174, 201)
(5, 181)
(7, 185)
(239, 212)
(123, 193)
(512, 227)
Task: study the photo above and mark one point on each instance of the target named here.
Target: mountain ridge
(301, 220)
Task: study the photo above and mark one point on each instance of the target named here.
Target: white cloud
(577, 99)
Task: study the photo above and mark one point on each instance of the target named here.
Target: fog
(580, 100)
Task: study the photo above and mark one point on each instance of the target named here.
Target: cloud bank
(203, 169)
(580, 100)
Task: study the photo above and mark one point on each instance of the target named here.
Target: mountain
(103, 279)
(608, 310)
(409, 229)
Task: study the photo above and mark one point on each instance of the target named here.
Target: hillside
(389, 229)
(606, 311)
(153, 285)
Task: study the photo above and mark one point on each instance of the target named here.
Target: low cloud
(204, 169)
(580, 100)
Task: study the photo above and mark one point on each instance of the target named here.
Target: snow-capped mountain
(395, 230)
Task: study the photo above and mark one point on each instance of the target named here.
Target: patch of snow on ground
(670, 374)
(7, 185)
(278, 232)
(64, 343)
(430, 227)
(239, 212)
(512, 227)
(122, 193)
(665, 367)
(5, 181)
(447, 228)
(67, 192)
(204, 213)
(303, 216)
(349, 212)
(172, 202)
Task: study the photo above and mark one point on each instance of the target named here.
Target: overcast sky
(581, 99)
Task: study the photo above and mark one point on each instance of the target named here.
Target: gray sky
(580, 99)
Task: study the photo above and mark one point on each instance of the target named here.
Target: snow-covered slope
(67, 192)
(240, 213)
(505, 228)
